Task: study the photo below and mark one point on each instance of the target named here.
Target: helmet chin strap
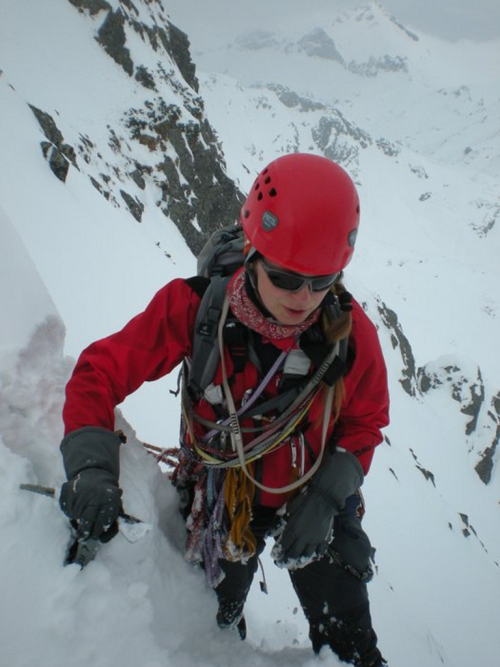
(252, 255)
(250, 272)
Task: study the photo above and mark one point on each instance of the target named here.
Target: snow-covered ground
(73, 267)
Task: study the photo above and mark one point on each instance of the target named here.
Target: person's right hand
(91, 497)
(92, 500)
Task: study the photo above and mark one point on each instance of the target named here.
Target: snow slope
(74, 267)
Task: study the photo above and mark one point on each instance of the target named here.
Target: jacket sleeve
(365, 410)
(150, 346)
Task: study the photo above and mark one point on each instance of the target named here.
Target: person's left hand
(307, 529)
(307, 525)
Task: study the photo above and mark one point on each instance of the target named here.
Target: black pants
(330, 590)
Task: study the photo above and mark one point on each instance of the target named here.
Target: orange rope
(239, 493)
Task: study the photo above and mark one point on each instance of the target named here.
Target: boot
(230, 615)
(352, 644)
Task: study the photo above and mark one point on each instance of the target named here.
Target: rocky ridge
(464, 384)
(182, 165)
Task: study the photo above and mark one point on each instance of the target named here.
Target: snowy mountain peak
(371, 31)
(374, 15)
(323, 43)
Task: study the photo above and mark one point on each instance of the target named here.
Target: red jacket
(153, 343)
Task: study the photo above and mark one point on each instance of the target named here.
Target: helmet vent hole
(272, 192)
(268, 180)
(257, 186)
(247, 213)
(259, 196)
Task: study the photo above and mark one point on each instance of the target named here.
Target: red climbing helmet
(303, 213)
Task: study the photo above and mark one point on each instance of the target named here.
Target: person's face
(287, 307)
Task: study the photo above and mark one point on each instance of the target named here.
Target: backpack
(222, 254)
(219, 259)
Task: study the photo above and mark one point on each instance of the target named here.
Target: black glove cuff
(91, 447)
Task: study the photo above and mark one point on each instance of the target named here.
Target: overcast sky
(207, 21)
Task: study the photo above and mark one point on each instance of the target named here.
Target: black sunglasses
(293, 282)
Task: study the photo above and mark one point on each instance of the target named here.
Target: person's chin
(292, 316)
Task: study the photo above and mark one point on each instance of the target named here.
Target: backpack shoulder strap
(205, 355)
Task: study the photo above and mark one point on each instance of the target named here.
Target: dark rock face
(195, 191)
(464, 385)
(292, 99)
(92, 7)
(112, 38)
(375, 66)
(179, 47)
(429, 476)
(468, 391)
(400, 342)
(135, 206)
(485, 465)
(467, 388)
(165, 145)
(340, 140)
(194, 186)
(58, 154)
(318, 43)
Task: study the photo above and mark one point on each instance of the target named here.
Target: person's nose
(303, 295)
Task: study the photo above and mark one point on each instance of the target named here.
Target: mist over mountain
(121, 149)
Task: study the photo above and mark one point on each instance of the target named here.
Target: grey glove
(308, 522)
(92, 497)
